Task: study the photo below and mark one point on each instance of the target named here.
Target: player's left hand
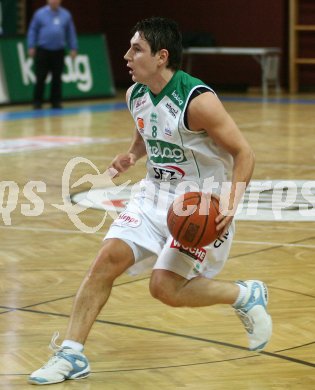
(223, 221)
(73, 54)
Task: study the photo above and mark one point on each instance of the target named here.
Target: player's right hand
(122, 162)
(31, 51)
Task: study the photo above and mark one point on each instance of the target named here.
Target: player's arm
(32, 35)
(206, 112)
(136, 150)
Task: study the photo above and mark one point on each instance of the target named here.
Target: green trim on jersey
(196, 163)
(175, 95)
(139, 90)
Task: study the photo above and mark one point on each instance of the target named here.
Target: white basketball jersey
(174, 153)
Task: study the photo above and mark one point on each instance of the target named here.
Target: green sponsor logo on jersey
(164, 152)
(153, 117)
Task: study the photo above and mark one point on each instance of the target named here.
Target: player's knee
(164, 296)
(164, 291)
(112, 260)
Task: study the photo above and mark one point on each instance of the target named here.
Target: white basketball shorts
(142, 225)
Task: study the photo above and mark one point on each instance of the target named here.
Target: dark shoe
(56, 106)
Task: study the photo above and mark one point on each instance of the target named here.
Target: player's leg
(68, 361)
(42, 67)
(57, 65)
(112, 260)
(177, 276)
(175, 281)
(175, 290)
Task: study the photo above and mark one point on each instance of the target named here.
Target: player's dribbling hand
(122, 162)
(223, 221)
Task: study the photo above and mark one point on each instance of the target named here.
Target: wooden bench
(267, 57)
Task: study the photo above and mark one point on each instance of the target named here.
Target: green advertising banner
(88, 75)
(8, 17)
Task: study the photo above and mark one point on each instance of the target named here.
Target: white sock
(241, 295)
(73, 345)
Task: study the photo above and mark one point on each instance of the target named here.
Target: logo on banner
(77, 70)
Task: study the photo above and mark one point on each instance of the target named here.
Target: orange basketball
(191, 219)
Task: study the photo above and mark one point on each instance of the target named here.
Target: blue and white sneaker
(66, 363)
(254, 316)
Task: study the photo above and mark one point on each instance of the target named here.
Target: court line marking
(287, 166)
(47, 230)
(118, 106)
(182, 335)
(256, 243)
(93, 141)
(256, 124)
(277, 355)
(271, 354)
(69, 231)
(310, 246)
(9, 310)
(273, 100)
(158, 367)
(275, 246)
(273, 123)
(104, 107)
(147, 277)
(151, 368)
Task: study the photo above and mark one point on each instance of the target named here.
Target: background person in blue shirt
(50, 31)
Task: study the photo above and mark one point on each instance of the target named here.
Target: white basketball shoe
(252, 311)
(66, 363)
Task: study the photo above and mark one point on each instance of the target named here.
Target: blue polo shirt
(52, 30)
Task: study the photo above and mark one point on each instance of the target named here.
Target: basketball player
(186, 136)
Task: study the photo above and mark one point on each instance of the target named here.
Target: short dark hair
(162, 33)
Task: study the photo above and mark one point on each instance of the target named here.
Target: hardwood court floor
(137, 342)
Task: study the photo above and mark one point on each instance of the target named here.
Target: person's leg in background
(57, 65)
(41, 72)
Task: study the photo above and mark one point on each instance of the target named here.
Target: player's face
(54, 4)
(142, 64)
